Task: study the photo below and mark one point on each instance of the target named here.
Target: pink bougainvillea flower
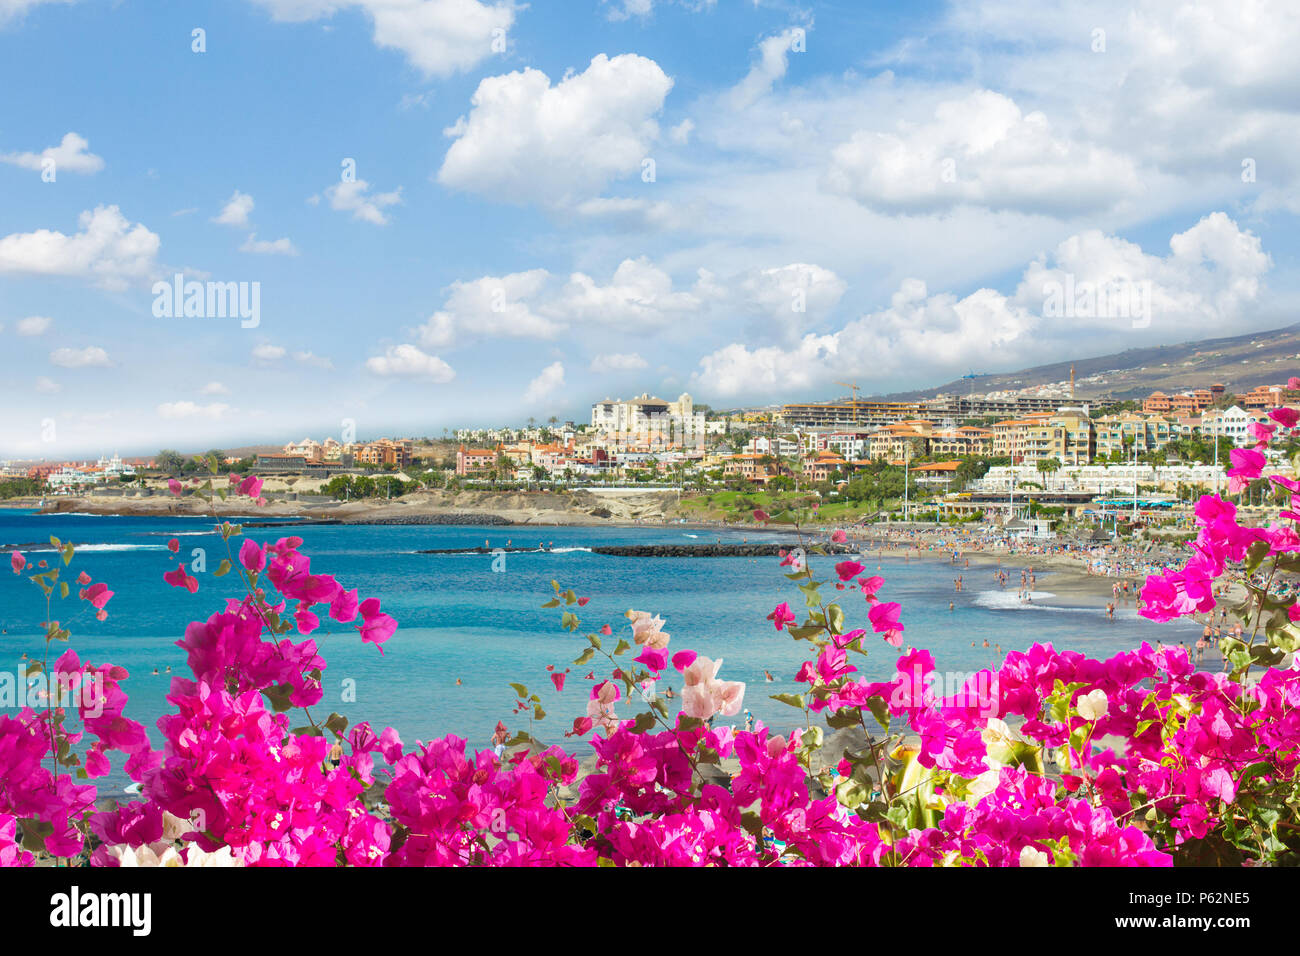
(848, 570)
(17, 562)
(251, 555)
(83, 579)
(377, 627)
(884, 621)
(838, 536)
(760, 515)
(344, 606)
(580, 726)
(871, 585)
(655, 658)
(1286, 417)
(683, 659)
(97, 595)
(558, 680)
(251, 486)
(606, 630)
(173, 546)
(177, 578)
(781, 616)
(174, 487)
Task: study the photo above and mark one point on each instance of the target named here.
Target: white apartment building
(650, 421)
(1098, 479)
(1233, 423)
(777, 447)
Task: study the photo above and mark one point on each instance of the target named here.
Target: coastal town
(996, 456)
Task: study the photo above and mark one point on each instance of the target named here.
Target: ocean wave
(1010, 601)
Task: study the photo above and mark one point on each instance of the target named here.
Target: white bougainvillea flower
(1093, 706)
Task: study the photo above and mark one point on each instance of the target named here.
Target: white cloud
(182, 410)
(545, 385)
(34, 325)
(214, 388)
(438, 37)
(408, 361)
(626, 9)
(269, 353)
(91, 355)
(793, 295)
(69, 156)
(681, 133)
(771, 65)
(353, 197)
(639, 293)
(108, 249)
(13, 9)
(490, 306)
(47, 386)
(235, 211)
(268, 247)
(982, 150)
(525, 140)
(1212, 275)
(618, 362)
(312, 359)
(639, 298)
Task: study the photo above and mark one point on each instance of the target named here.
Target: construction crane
(972, 375)
(855, 398)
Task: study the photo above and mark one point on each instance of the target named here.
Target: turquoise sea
(460, 619)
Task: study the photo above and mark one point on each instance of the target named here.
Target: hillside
(1239, 362)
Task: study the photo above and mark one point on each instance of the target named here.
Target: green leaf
(835, 618)
(806, 632)
(63, 589)
(879, 710)
(337, 723)
(622, 646)
(644, 723)
(584, 657)
(794, 700)
(520, 690)
(843, 717)
(222, 569)
(68, 551)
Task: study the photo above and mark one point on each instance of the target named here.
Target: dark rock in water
(27, 546)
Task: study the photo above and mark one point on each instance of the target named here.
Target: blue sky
(841, 191)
